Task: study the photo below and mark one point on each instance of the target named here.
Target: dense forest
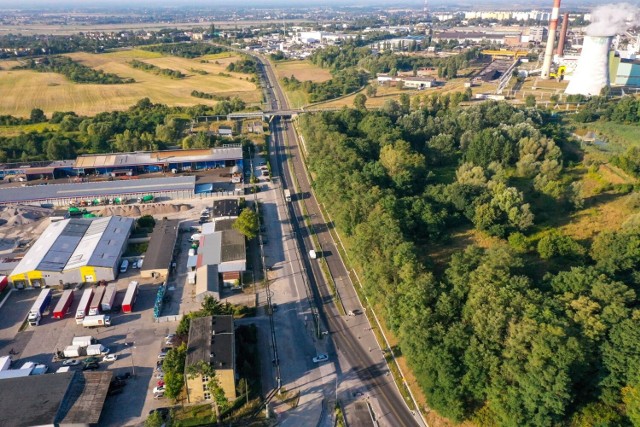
(144, 126)
(186, 50)
(167, 72)
(74, 71)
(537, 329)
(245, 65)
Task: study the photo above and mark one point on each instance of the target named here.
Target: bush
(556, 245)
(146, 221)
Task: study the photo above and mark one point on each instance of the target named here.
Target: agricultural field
(24, 90)
(383, 93)
(303, 71)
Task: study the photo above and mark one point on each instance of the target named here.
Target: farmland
(303, 71)
(24, 90)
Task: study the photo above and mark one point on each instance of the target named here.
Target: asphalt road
(355, 344)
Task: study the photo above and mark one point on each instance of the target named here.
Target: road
(352, 335)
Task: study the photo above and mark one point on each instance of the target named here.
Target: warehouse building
(74, 250)
(211, 340)
(157, 259)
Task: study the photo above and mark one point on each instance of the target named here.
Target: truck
(94, 308)
(42, 302)
(109, 297)
(84, 341)
(287, 195)
(95, 321)
(74, 351)
(83, 307)
(97, 350)
(130, 297)
(63, 305)
(4, 282)
(145, 199)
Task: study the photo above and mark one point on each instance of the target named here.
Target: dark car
(164, 412)
(91, 360)
(123, 377)
(117, 384)
(90, 367)
(114, 391)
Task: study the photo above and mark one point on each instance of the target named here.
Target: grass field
(17, 130)
(24, 90)
(302, 70)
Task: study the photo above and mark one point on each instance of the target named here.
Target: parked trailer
(109, 297)
(42, 302)
(94, 308)
(130, 297)
(83, 307)
(74, 351)
(63, 305)
(96, 350)
(84, 341)
(95, 321)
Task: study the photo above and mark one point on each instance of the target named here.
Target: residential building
(211, 340)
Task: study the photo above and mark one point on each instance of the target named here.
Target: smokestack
(548, 53)
(592, 72)
(563, 34)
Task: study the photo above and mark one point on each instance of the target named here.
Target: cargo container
(63, 306)
(94, 308)
(4, 282)
(40, 370)
(74, 351)
(5, 363)
(63, 369)
(83, 307)
(109, 297)
(42, 302)
(97, 350)
(130, 297)
(95, 321)
(84, 341)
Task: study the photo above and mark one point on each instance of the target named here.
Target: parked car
(158, 395)
(90, 367)
(91, 360)
(169, 339)
(71, 362)
(114, 391)
(160, 375)
(117, 384)
(321, 358)
(110, 358)
(123, 377)
(159, 389)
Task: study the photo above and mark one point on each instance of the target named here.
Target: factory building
(627, 73)
(74, 250)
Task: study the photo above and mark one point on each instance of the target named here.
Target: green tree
(554, 244)
(173, 367)
(530, 101)
(359, 101)
(247, 223)
(154, 420)
(371, 91)
(37, 116)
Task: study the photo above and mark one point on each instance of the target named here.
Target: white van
(124, 266)
(312, 254)
(195, 237)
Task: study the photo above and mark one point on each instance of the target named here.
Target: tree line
(74, 71)
(167, 72)
(144, 126)
(489, 336)
(186, 50)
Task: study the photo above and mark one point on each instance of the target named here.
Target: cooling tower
(592, 72)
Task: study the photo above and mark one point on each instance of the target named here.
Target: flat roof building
(157, 260)
(211, 340)
(74, 250)
(225, 208)
(61, 399)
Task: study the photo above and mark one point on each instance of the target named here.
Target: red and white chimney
(563, 34)
(548, 53)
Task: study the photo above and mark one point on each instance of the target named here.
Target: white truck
(95, 321)
(97, 350)
(84, 341)
(109, 297)
(74, 351)
(5, 363)
(42, 302)
(287, 195)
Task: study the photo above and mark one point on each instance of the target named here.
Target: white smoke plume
(612, 19)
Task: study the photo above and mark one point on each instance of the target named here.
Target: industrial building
(225, 247)
(211, 340)
(157, 259)
(74, 250)
(63, 399)
(208, 283)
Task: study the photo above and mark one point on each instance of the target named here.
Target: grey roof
(209, 250)
(160, 250)
(66, 398)
(207, 282)
(76, 242)
(90, 190)
(225, 208)
(212, 339)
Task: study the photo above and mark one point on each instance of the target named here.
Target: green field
(23, 90)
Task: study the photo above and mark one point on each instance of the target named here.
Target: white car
(321, 358)
(71, 362)
(158, 390)
(160, 375)
(110, 358)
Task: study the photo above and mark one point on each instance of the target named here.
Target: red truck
(63, 305)
(130, 297)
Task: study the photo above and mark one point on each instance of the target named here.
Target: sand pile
(154, 209)
(22, 215)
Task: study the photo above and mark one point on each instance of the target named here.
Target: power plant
(592, 72)
(563, 34)
(548, 53)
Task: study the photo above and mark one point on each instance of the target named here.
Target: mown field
(24, 90)
(303, 71)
